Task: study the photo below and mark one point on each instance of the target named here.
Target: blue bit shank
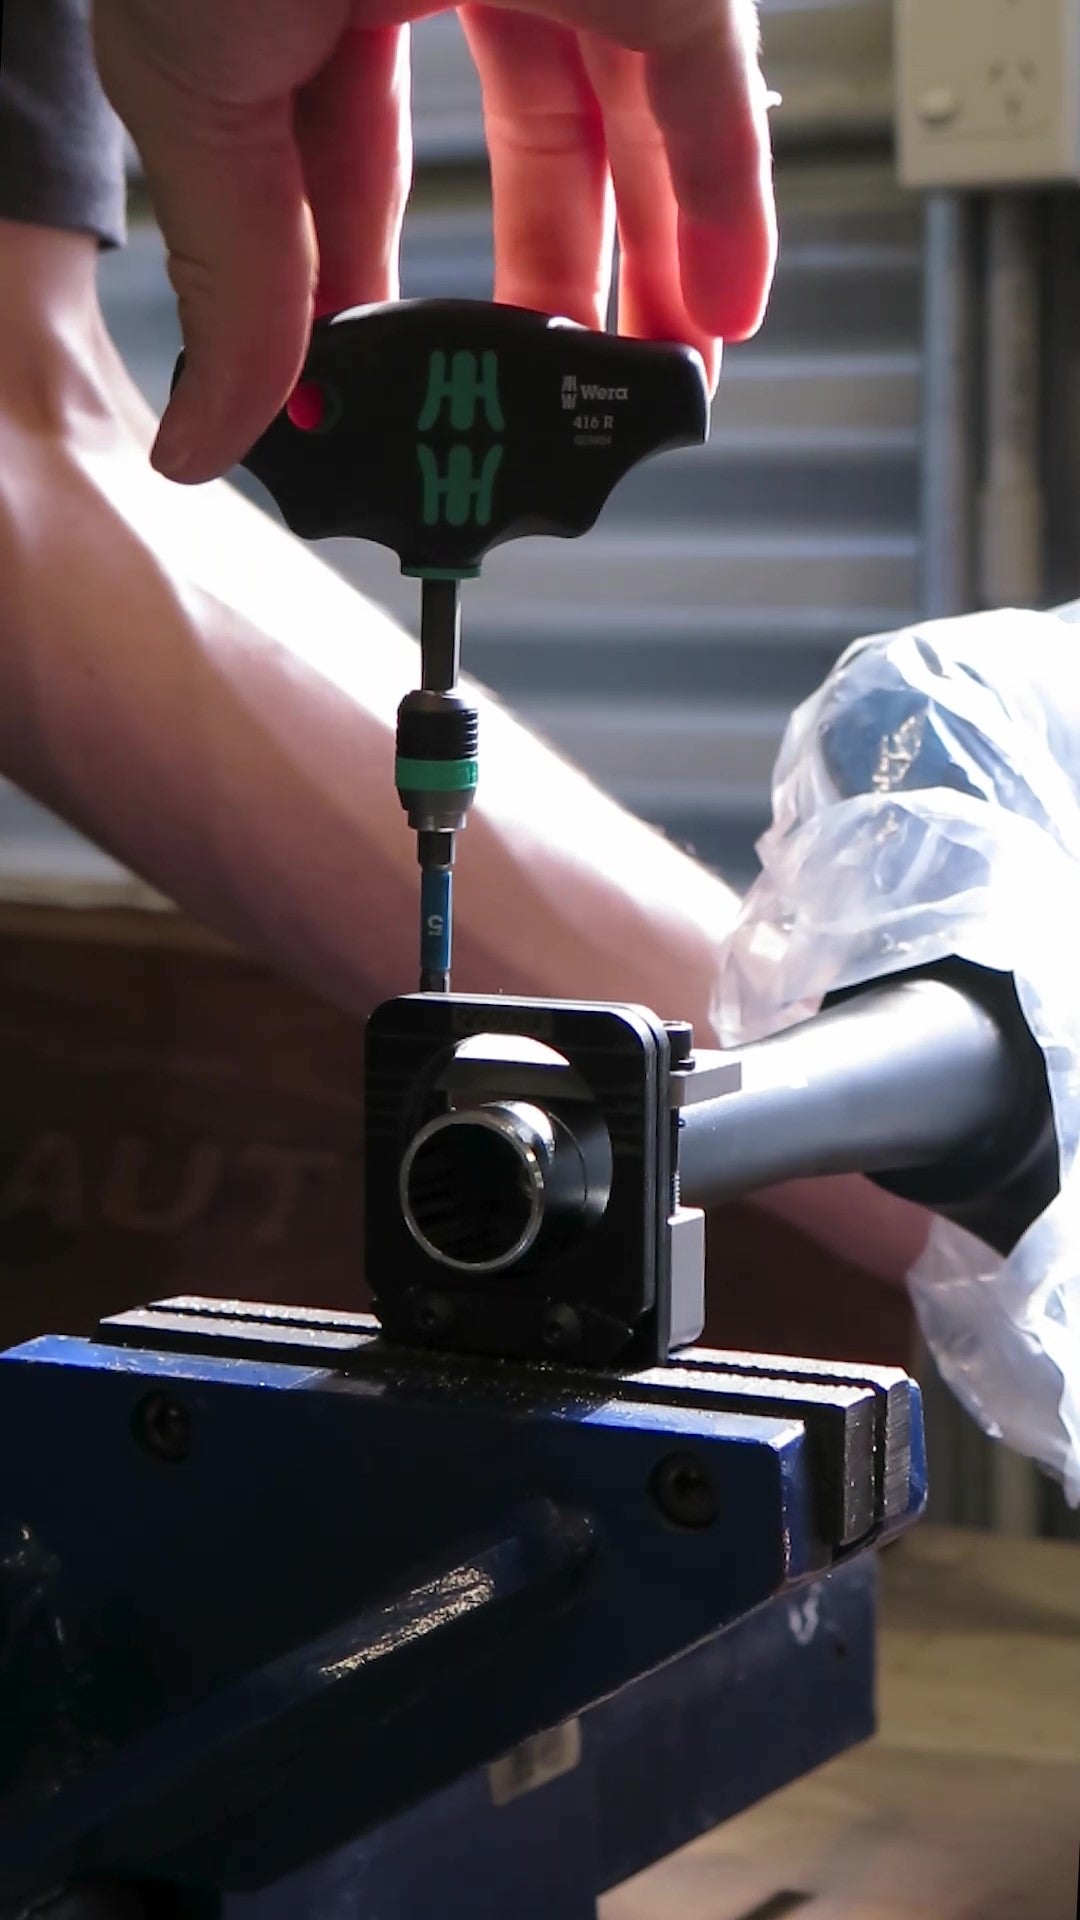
(436, 928)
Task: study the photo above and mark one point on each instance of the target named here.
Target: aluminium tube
(904, 1075)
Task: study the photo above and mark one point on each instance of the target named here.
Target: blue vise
(295, 1622)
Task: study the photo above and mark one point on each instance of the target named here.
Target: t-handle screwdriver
(442, 429)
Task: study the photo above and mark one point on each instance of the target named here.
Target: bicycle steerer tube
(918, 1073)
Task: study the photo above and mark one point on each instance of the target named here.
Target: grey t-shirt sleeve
(61, 144)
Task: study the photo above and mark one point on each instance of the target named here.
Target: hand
(276, 141)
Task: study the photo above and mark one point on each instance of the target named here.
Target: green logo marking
(464, 388)
(460, 494)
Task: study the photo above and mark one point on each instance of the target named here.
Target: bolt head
(684, 1491)
(162, 1424)
(562, 1329)
(680, 1035)
(432, 1314)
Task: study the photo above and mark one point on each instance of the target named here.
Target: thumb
(226, 183)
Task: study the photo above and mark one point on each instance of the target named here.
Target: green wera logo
(460, 387)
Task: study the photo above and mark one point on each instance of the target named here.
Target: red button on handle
(307, 406)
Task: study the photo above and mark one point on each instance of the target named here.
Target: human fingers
(353, 129)
(550, 183)
(709, 99)
(651, 302)
(207, 94)
(707, 91)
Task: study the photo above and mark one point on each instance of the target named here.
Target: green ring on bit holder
(436, 776)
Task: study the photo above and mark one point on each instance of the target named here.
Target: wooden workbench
(966, 1806)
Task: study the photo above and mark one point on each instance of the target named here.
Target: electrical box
(987, 92)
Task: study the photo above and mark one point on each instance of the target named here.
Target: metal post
(1011, 504)
(949, 407)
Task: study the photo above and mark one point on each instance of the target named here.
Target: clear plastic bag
(926, 803)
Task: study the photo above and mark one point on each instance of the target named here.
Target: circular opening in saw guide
(510, 1151)
(473, 1191)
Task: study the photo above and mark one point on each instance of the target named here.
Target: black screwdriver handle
(443, 428)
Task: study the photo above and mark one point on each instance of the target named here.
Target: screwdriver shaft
(440, 662)
(440, 634)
